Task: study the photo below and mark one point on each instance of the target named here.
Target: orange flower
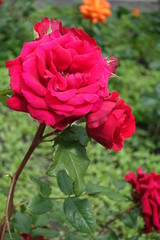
(96, 10)
(136, 12)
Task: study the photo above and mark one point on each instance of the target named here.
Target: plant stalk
(10, 203)
(119, 215)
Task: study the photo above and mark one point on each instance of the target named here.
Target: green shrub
(14, 27)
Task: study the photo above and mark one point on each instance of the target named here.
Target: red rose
(28, 237)
(59, 77)
(112, 123)
(147, 188)
(1, 2)
(42, 27)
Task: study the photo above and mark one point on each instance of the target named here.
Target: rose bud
(113, 63)
(112, 123)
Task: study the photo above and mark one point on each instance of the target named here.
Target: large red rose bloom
(59, 77)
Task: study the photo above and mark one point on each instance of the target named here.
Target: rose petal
(31, 77)
(47, 117)
(18, 103)
(42, 27)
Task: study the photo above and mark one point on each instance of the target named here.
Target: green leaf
(4, 94)
(133, 238)
(14, 236)
(103, 237)
(22, 222)
(45, 189)
(65, 183)
(40, 220)
(3, 100)
(73, 134)
(69, 236)
(39, 205)
(73, 159)
(119, 184)
(112, 236)
(92, 190)
(130, 219)
(79, 214)
(45, 232)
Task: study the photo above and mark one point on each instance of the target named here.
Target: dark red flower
(147, 188)
(28, 237)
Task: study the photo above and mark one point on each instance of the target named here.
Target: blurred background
(132, 34)
(145, 5)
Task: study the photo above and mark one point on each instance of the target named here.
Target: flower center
(64, 74)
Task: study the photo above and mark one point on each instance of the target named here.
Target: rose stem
(119, 215)
(9, 204)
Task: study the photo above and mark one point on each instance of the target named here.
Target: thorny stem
(10, 204)
(119, 215)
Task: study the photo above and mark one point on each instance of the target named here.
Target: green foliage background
(136, 43)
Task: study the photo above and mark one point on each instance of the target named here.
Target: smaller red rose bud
(1, 2)
(112, 123)
(113, 63)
